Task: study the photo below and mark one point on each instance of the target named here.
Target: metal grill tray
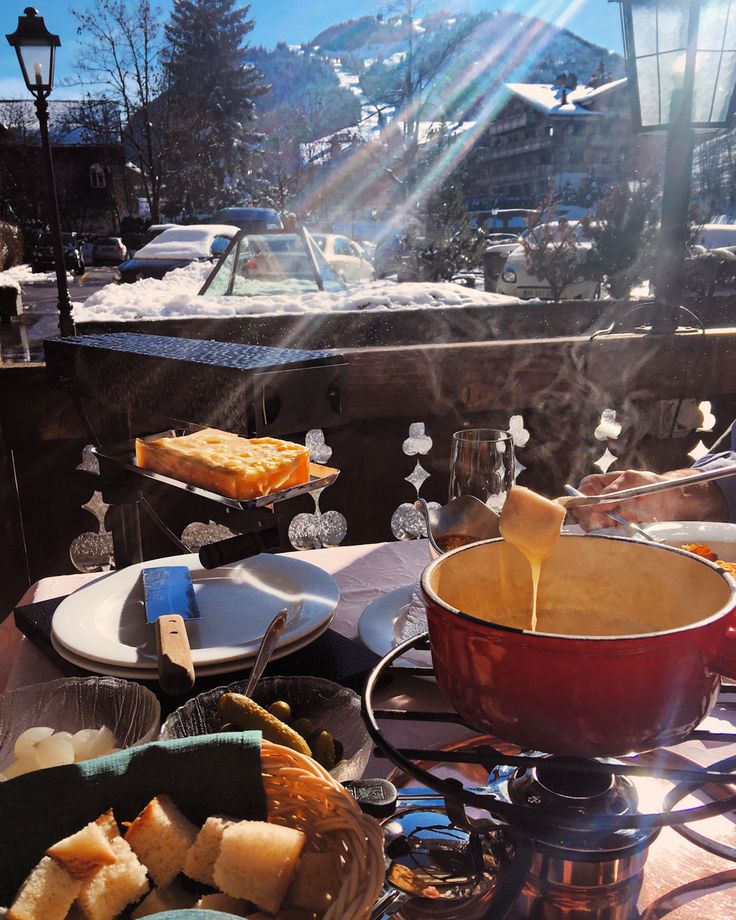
(124, 456)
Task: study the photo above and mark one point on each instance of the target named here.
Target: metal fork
(571, 490)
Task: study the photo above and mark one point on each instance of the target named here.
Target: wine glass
(482, 464)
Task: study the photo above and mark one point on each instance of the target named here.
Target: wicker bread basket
(303, 795)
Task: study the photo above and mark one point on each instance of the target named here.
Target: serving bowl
(130, 711)
(328, 705)
(633, 638)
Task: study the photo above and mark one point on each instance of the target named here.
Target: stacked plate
(102, 627)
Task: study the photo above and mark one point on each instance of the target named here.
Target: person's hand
(701, 502)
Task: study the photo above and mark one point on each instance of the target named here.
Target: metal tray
(124, 456)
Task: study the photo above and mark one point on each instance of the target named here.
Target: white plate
(720, 537)
(380, 623)
(207, 670)
(105, 621)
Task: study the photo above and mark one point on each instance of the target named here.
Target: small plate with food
(713, 539)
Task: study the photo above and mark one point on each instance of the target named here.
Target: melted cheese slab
(532, 524)
(240, 468)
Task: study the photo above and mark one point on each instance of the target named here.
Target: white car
(516, 280)
(347, 257)
(175, 247)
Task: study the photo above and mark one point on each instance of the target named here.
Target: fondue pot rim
(649, 547)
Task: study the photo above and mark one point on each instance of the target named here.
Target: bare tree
(551, 249)
(123, 44)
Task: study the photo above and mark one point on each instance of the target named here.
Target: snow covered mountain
(457, 62)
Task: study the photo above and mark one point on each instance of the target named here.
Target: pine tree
(213, 90)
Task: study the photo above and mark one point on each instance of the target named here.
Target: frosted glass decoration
(319, 451)
(608, 428)
(418, 442)
(317, 530)
(518, 432)
(700, 450)
(605, 461)
(709, 420)
(407, 523)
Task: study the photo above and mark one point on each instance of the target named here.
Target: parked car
(270, 264)
(709, 271)
(516, 280)
(347, 257)
(494, 259)
(176, 247)
(42, 254)
(109, 250)
(254, 220)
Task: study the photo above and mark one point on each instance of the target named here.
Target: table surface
(366, 572)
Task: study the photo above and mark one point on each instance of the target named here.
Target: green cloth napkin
(206, 775)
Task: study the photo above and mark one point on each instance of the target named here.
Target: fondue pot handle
(725, 662)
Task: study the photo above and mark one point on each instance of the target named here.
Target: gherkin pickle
(304, 726)
(323, 749)
(247, 714)
(281, 710)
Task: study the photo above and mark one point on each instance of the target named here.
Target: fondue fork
(639, 531)
(579, 501)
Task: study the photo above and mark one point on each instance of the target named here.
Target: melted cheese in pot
(532, 524)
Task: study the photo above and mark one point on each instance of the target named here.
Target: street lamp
(36, 49)
(681, 66)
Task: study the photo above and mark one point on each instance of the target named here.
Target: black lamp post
(36, 48)
(681, 65)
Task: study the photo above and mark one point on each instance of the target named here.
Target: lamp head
(35, 47)
(681, 61)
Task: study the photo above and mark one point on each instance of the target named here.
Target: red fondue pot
(582, 695)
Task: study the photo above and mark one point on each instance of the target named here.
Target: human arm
(704, 501)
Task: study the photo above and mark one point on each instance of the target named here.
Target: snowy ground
(22, 275)
(175, 296)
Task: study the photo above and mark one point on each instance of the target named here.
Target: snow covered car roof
(186, 242)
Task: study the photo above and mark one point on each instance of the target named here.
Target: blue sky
(296, 21)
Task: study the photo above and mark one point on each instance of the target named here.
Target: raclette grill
(251, 390)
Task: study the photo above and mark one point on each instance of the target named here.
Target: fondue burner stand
(564, 838)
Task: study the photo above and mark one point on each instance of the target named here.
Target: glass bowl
(329, 706)
(130, 711)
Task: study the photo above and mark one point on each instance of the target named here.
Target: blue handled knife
(169, 599)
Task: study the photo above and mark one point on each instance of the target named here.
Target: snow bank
(22, 275)
(175, 295)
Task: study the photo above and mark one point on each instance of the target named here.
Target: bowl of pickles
(311, 715)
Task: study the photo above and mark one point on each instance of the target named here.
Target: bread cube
(110, 889)
(200, 861)
(315, 882)
(48, 893)
(161, 899)
(531, 522)
(161, 837)
(257, 862)
(83, 852)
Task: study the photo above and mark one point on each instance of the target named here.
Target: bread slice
(47, 893)
(108, 825)
(200, 861)
(161, 837)
(83, 852)
(222, 462)
(161, 899)
(226, 904)
(110, 889)
(315, 882)
(257, 862)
